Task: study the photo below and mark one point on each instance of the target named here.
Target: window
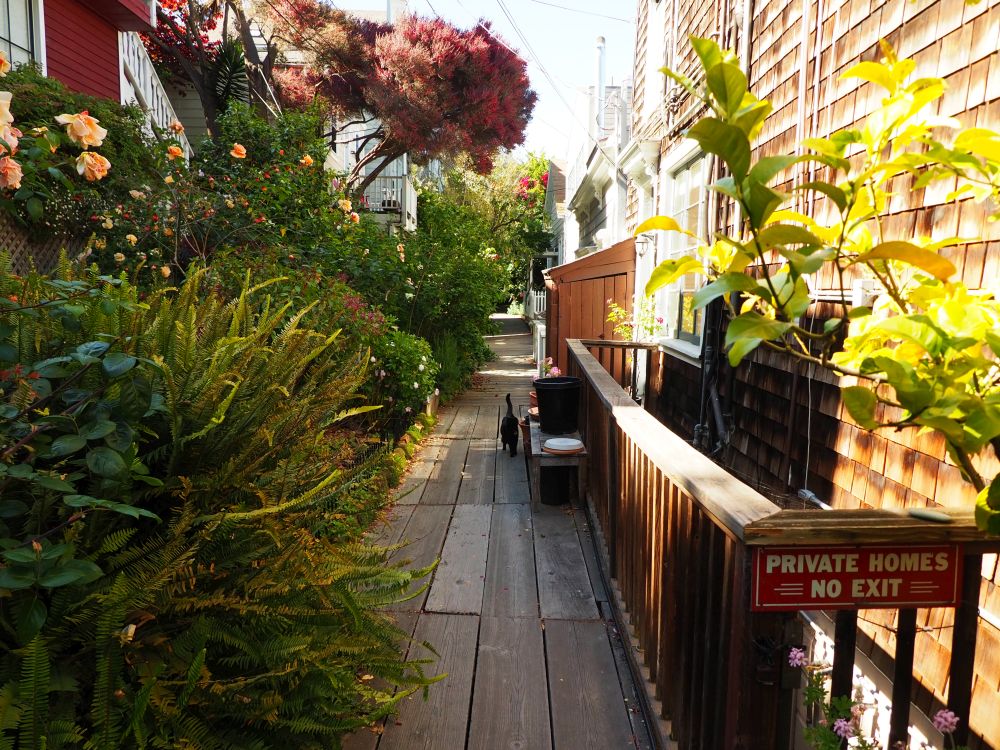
(685, 203)
(17, 30)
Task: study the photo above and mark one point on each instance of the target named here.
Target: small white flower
(408, 410)
(423, 359)
(415, 385)
(437, 391)
(374, 360)
(420, 367)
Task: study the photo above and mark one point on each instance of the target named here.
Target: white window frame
(668, 299)
(36, 10)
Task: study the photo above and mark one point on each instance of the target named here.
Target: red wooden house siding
(81, 49)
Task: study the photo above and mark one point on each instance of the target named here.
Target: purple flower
(945, 721)
(843, 728)
(797, 657)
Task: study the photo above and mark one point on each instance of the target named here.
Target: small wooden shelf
(540, 459)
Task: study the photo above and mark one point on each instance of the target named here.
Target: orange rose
(239, 151)
(92, 165)
(355, 218)
(4, 65)
(174, 151)
(83, 129)
(6, 118)
(10, 173)
(10, 135)
(176, 127)
(306, 161)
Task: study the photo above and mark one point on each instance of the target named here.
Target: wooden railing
(624, 360)
(678, 533)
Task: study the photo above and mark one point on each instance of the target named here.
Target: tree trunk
(258, 69)
(357, 182)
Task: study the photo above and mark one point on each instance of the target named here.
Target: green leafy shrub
(179, 525)
(72, 207)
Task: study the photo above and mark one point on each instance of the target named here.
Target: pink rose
(83, 129)
(6, 118)
(10, 135)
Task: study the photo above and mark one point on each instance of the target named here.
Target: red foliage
(183, 30)
(435, 88)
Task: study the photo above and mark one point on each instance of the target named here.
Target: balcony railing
(393, 195)
(141, 85)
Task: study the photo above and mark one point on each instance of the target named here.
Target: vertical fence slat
(902, 677)
(963, 649)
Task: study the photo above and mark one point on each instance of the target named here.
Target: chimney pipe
(599, 89)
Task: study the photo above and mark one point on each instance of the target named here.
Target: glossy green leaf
(762, 202)
(105, 462)
(71, 572)
(54, 483)
(97, 429)
(35, 208)
(787, 234)
(724, 140)
(670, 270)
(726, 284)
(768, 167)
(987, 508)
(861, 403)
(15, 580)
(708, 51)
(906, 252)
(8, 353)
(10, 508)
(754, 325)
(118, 363)
(728, 84)
(66, 444)
(873, 72)
(664, 223)
(29, 619)
(93, 348)
(741, 349)
(915, 328)
(135, 397)
(834, 193)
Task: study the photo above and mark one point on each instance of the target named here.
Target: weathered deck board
(446, 476)
(442, 720)
(510, 704)
(511, 588)
(479, 476)
(424, 536)
(588, 709)
(513, 680)
(511, 477)
(564, 590)
(461, 574)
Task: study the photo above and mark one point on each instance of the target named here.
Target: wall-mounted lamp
(642, 244)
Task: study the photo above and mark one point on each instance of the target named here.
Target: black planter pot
(558, 404)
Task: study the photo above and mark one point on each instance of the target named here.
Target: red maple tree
(426, 87)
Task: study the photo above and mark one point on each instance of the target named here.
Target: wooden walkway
(516, 609)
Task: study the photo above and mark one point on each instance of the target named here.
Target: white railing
(140, 85)
(535, 303)
(395, 196)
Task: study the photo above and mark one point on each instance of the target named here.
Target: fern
(33, 692)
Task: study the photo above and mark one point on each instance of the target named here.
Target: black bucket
(558, 404)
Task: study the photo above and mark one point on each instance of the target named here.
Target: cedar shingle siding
(786, 413)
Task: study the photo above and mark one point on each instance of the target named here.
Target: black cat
(509, 429)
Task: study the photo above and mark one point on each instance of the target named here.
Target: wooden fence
(579, 294)
(679, 531)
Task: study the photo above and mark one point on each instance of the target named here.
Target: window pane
(20, 31)
(4, 26)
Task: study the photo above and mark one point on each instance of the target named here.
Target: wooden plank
(440, 721)
(511, 483)
(511, 589)
(588, 709)
(488, 420)
(424, 536)
(390, 530)
(510, 706)
(564, 590)
(461, 574)
(630, 690)
(586, 537)
(479, 475)
(446, 476)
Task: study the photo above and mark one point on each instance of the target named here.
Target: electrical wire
(586, 12)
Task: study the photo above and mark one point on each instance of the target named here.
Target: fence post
(611, 536)
(963, 649)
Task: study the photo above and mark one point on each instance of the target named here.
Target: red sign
(793, 578)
